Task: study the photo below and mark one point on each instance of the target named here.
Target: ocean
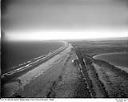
(15, 53)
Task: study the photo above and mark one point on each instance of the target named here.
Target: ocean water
(118, 59)
(15, 53)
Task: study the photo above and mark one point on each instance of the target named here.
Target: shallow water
(118, 59)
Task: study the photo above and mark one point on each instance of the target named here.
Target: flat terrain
(105, 78)
(55, 78)
(74, 73)
(117, 59)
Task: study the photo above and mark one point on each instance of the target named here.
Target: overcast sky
(40, 15)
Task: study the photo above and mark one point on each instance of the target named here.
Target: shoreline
(109, 53)
(22, 53)
(36, 61)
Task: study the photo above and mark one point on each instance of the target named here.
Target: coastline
(109, 53)
(31, 64)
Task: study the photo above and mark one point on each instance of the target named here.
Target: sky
(64, 19)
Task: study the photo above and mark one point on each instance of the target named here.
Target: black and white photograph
(64, 49)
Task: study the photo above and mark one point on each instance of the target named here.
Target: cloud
(65, 14)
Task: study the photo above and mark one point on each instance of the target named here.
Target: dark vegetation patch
(95, 77)
(82, 90)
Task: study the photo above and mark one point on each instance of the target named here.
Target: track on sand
(61, 77)
(104, 79)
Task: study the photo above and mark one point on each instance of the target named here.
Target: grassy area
(97, 47)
